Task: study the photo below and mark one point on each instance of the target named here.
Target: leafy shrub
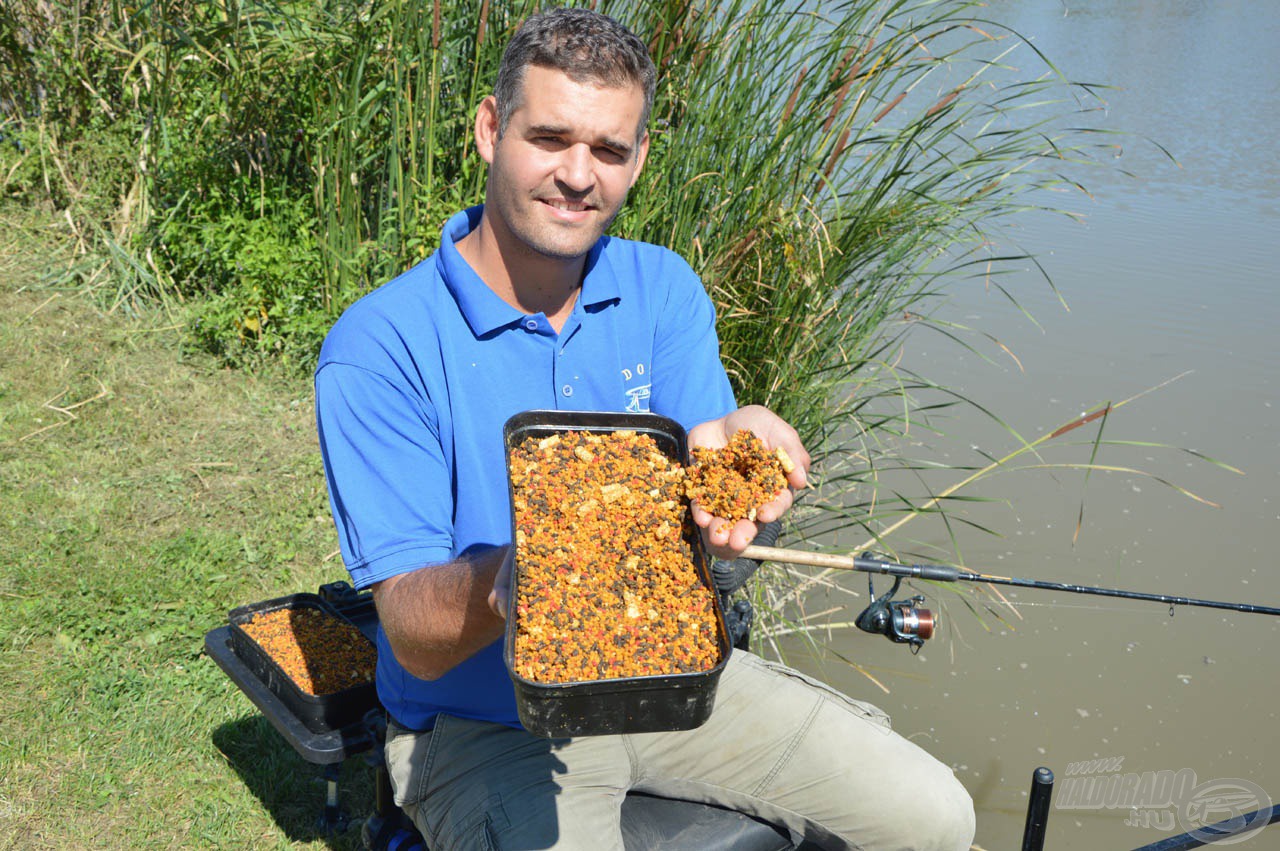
(257, 273)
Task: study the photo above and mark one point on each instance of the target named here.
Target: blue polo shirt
(416, 380)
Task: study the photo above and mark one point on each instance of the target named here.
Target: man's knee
(950, 816)
(909, 799)
(932, 813)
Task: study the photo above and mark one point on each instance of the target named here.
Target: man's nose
(575, 170)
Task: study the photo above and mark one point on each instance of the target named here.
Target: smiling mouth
(567, 206)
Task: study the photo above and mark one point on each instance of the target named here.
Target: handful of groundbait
(734, 482)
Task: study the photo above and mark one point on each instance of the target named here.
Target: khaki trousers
(779, 745)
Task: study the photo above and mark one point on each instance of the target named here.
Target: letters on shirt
(637, 396)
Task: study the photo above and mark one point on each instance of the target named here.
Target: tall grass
(830, 169)
(826, 168)
(69, 111)
(394, 158)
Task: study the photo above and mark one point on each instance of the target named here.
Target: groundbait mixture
(608, 586)
(607, 582)
(735, 481)
(322, 654)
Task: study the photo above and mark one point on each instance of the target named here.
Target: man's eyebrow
(621, 147)
(618, 146)
(548, 130)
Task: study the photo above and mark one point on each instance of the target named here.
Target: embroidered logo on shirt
(638, 399)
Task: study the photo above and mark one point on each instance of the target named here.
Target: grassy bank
(143, 493)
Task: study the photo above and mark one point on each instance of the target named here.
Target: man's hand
(500, 596)
(727, 541)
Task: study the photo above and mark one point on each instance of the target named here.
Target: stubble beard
(536, 237)
(550, 240)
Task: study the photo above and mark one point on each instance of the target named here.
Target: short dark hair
(586, 45)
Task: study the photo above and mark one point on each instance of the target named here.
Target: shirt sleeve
(689, 381)
(389, 483)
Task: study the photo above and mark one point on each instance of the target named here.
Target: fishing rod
(905, 622)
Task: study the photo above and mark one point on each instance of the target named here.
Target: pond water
(1171, 275)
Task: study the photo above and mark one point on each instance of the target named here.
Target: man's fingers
(716, 539)
(500, 594)
(741, 536)
(498, 602)
(798, 478)
(725, 540)
(709, 435)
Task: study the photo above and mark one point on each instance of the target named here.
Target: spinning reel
(900, 621)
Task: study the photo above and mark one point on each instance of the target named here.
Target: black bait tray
(316, 712)
(648, 704)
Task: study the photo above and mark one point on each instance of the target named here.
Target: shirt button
(567, 390)
(531, 324)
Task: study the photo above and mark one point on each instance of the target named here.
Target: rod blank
(941, 573)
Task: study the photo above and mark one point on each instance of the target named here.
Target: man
(528, 304)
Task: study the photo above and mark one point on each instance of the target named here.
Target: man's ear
(487, 128)
(642, 154)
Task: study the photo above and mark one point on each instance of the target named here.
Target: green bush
(817, 164)
(259, 276)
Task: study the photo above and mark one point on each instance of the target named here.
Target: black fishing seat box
(648, 822)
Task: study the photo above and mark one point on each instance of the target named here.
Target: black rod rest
(1038, 810)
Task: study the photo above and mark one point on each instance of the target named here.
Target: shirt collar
(484, 311)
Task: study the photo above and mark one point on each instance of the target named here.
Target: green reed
(394, 157)
(830, 169)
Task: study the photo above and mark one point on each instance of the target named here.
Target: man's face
(561, 171)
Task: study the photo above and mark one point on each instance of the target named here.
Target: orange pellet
(607, 584)
(320, 653)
